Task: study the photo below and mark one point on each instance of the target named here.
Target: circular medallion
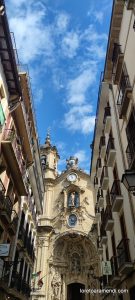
(72, 220)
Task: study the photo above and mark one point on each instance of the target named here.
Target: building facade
(66, 238)
(113, 154)
(21, 180)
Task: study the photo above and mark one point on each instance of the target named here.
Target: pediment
(73, 187)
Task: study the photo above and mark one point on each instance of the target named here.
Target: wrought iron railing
(115, 190)
(123, 98)
(114, 266)
(110, 146)
(123, 252)
(10, 135)
(104, 174)
(102, 142)
(107, 113)
(130, 152)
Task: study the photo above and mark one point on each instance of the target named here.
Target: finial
(48, 139)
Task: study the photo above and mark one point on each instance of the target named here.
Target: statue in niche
(73, 199)
(56, 286)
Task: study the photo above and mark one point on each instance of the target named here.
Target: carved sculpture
(56, 286)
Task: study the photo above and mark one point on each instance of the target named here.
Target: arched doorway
(74, 291)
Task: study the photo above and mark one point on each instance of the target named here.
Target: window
(130, 130)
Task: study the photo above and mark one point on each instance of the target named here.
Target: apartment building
(21, 181)
(113, 154)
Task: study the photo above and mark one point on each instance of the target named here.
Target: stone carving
(75, 263)
(56, 286)
(40, 242)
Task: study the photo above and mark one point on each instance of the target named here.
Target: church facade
(66, 238)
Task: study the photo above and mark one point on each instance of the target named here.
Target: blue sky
(63, 42)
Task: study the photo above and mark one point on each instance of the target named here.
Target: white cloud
(62, 21)
(91, 35)
(78, 86)
(70, 44)
(79, 119)
(96, 51)
(81, 155)
(33, 38)
(99, 16)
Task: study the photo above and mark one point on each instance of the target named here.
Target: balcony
(11, 149)
(20, 284)
(100, 198)
(99, 167)
(5, 209)
(107, 119)
(95, 182)
(117, 60)
(130, 4)
(104, 181)
(99, 246)
(115, 278)
(22, 237)
(110, 152)
(97, 213)
(103, 235)
(124, 260)
(130, 152)
(25, 288)
(116, 197)
(102, 146)
(14, 223)
(125, 94)
(108, 219)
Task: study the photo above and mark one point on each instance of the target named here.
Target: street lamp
(128, 179)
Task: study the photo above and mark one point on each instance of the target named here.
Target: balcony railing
(99, 164)
(102, 142)
(117, 60)
(130, 152)
(110, 147)
(6, 206)
(116, 53)
(10, 136)
(124, 96)
(104, 175)
(130, 4)
(100, 197)
(123, 252)
(114, 266)
(14, 223)
(102, 231)
(20, 284)
(22, 235)
(107, 113)
(107, 219)
(115, 191)
(28, 127)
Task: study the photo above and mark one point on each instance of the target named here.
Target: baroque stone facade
(66, 244)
